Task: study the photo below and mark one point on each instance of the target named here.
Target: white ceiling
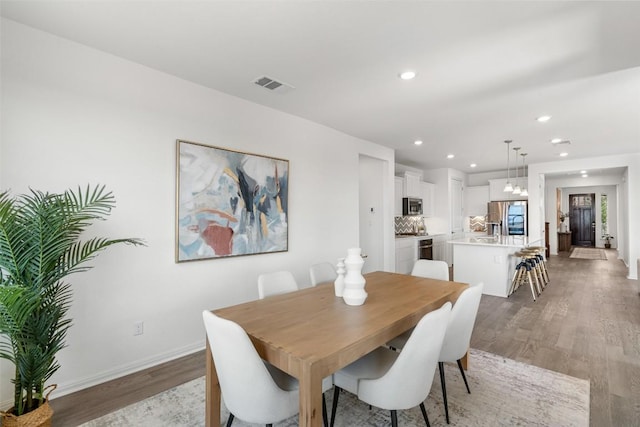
(486, 70)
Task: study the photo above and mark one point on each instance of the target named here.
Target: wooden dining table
(311, 333)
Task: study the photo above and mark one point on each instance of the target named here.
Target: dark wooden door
(583, 226)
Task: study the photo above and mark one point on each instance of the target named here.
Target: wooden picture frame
(229, 203)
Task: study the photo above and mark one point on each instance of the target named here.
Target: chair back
(408, 382)
(431, 269)
(322, 272)
(248, 388)
(463, 317)
(279, 282)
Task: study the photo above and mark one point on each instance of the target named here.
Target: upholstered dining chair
(278, 282)
(250, 391)
(253, 390)
(322, 272)
(396, 381)
(431, 269)
(458, 337)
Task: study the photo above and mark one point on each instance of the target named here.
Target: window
(603, 213)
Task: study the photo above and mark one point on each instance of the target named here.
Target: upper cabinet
(496, 187)
(476, 199)
(412, 185)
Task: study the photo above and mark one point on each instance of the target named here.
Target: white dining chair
(458, 337)
(322, 272)
(397, 381)
(278, 282)
(431, 269)
(250, 391)
(428, 269)
(253, 390)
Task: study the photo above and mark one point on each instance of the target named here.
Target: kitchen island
(489, 260)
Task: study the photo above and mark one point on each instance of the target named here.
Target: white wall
(483, 178)
(73, 115)
(628, 200)
(441, 222)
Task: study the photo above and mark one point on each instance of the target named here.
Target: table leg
(465, 361)
(212, 405)
(310, 399)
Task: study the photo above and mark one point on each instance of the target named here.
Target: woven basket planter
(40, 417)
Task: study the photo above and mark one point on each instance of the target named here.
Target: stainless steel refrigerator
(510, 217)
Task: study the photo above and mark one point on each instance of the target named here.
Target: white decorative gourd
(339, 283)
(354, 293)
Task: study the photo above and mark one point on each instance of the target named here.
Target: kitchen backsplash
(409, 224)
(477, 223)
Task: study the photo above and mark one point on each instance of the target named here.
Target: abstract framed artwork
(229, 203)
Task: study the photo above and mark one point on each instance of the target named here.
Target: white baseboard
(120, 371)
(5, 405)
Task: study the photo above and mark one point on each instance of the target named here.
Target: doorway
(583, 219)
(371, 218)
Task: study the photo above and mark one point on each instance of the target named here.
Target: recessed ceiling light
(407, 75)
(556, 140)
(584, 175)
(543, 119)
(473, 165)
(450, 156)
(564, 154)
(417, 142)
(583, 172)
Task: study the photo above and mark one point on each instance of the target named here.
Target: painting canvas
(229, 203)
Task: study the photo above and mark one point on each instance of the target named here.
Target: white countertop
(503, 241)
(418, 236)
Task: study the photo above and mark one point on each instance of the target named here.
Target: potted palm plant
(40, 245)
(607, 240)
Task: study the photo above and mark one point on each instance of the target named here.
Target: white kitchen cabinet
(476, 199)
(449, 247)
(412, 185)
(397, 196)
(406, 254)
(496, 187)
(427, 195)
(440, 247)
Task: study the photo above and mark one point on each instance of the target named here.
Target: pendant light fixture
(516, 189)
(508, 187)
(524, 192)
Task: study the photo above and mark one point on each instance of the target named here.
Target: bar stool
(523, 274)
(541, 264)
(536, 267)
(543, 258)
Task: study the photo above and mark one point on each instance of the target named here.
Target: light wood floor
(585, 324)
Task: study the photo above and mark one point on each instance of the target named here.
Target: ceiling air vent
(562, 142)
(273, 85)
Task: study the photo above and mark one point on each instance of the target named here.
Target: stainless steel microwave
(411, 206)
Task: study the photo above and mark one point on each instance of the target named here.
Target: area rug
(588, 253)
(503, 393)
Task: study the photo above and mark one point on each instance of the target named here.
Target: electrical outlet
(138, 328)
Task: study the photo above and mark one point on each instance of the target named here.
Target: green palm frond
(40, 244)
